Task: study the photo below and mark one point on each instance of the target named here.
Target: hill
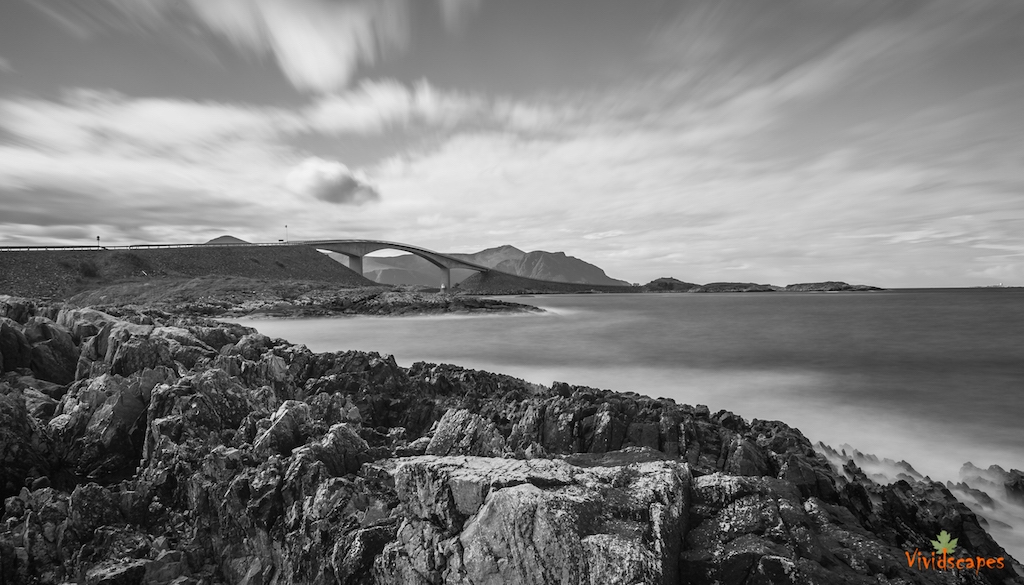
(59, 273)
(829, 286)
(226, 241)
(714, 287)
(668, 284)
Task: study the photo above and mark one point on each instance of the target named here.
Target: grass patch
(88, 269)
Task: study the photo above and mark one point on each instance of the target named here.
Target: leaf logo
(944, 544)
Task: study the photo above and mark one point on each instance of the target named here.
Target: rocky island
(141, 446)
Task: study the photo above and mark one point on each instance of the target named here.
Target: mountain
(558, 267)
(491, 257)
(226, 241)
(411, 269)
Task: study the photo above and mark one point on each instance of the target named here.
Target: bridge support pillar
(355, 263)
(446, 280)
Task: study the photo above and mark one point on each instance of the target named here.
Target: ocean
(934, 377)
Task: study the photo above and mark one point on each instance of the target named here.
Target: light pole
(286, 233)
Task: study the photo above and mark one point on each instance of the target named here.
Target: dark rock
(25, 449)
(14, 346)
(16, 309)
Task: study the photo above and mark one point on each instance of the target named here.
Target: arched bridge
(356, 249)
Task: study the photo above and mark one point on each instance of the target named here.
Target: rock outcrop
(188, 451)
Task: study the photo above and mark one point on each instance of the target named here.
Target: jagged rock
(460, 432)
(341, 450)
(100, 423)
(137, 353)
(24, 448)
(16, 309)
(288, 428)
(90, 507)
(540, 521)
(83, 323)
(253, 345)
(14, 346)
(125, 572)
(54, 354)
(194, 406)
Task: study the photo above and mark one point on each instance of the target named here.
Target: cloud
(318, 44)
(330, 181)
(604, 235)
(89, 119)
(5, 66)
(376, 105)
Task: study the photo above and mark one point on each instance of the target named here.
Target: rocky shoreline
(151, 447)
(210, 297)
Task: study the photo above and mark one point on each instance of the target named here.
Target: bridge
(354, 250)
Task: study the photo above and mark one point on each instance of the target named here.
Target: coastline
(165, 416)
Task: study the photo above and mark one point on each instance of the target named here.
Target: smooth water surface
(935, 377)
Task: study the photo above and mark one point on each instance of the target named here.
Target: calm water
(935, 377)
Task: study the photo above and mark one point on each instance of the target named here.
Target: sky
(771, 141)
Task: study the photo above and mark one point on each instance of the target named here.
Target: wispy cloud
(376, 105)
(5, 66)
(318, 44)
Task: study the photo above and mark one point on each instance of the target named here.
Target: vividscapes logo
(946, 547)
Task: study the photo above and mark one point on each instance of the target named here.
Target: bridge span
(354, 250)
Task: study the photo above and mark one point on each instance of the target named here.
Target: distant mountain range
(556, 266)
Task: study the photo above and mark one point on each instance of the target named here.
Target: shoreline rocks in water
(212, 297)
(185, 450)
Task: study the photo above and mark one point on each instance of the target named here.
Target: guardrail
(141, 247)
